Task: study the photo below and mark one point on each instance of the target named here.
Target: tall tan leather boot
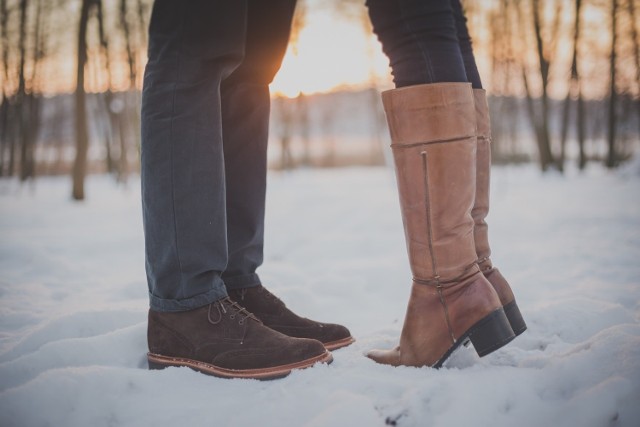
(480, 211)
(434, 145)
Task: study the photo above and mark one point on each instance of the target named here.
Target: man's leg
(245, 122)
(193, 46)
(245, 125)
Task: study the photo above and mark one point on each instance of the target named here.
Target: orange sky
(332, 52)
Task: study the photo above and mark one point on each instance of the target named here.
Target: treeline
(102, 45)
(574, 50)
(568, 71)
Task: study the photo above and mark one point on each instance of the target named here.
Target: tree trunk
(111, 117)
(21, 95)
(82, 133)
(4, 108)
(544, 140)
(636, 51)
(611, 134)
(31, 119)
(574, 90)
(582, 131)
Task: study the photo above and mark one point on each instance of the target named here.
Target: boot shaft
(483, 169)
(434, 146)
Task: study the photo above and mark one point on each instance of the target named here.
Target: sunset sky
(332, 52)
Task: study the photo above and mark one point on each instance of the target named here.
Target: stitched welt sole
(157, 361)
(334, 345)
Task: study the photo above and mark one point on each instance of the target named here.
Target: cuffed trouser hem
(159, 304)
(244, 281)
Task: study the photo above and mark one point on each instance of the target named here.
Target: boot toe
(385, 357)
(333, 336)
(336, 336)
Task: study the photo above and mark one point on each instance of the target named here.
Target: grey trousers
(205, 119)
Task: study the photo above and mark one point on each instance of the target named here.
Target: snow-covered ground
(73, 309)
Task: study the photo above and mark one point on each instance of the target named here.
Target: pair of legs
(205, 120)
(205, 125)
(426, 41)
(439, 124)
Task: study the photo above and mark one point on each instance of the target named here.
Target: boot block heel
(491, 333)
(515, 318)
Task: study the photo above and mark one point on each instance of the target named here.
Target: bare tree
(6, 139)
(611, 134)
(636, 51)
(575, 90)
(25, 101)
(545, 53)
(82, 133)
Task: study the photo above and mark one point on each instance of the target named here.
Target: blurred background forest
(563, 78)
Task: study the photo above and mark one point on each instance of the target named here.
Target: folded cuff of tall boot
(430, 113)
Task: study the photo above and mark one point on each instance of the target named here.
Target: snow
(73, 308)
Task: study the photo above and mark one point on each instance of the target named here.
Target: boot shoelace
(235, 309)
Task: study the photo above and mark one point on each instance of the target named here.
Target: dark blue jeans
(427, 41)
(205, 116)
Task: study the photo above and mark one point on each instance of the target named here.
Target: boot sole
(487, 335)
(334, 345)
(515, 318)
(157, 361)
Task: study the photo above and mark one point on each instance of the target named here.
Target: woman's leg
(421, 40)
(466, 49)
(483, 172)
(432, 121)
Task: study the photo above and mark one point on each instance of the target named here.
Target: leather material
(481, 205)
(435, 176)
(434, 146)
(483, 170)
(500, 284)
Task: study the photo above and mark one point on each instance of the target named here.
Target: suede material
(224, 335)
(275, 314)
(433, 139)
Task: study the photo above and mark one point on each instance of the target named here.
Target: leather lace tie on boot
(274, 314)
(226, 340)
(432, 130)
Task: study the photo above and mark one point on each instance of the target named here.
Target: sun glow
(330, 54)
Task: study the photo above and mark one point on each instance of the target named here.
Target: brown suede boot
(275, 314)
(480, 211)
(225, 340)
(433, 140)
